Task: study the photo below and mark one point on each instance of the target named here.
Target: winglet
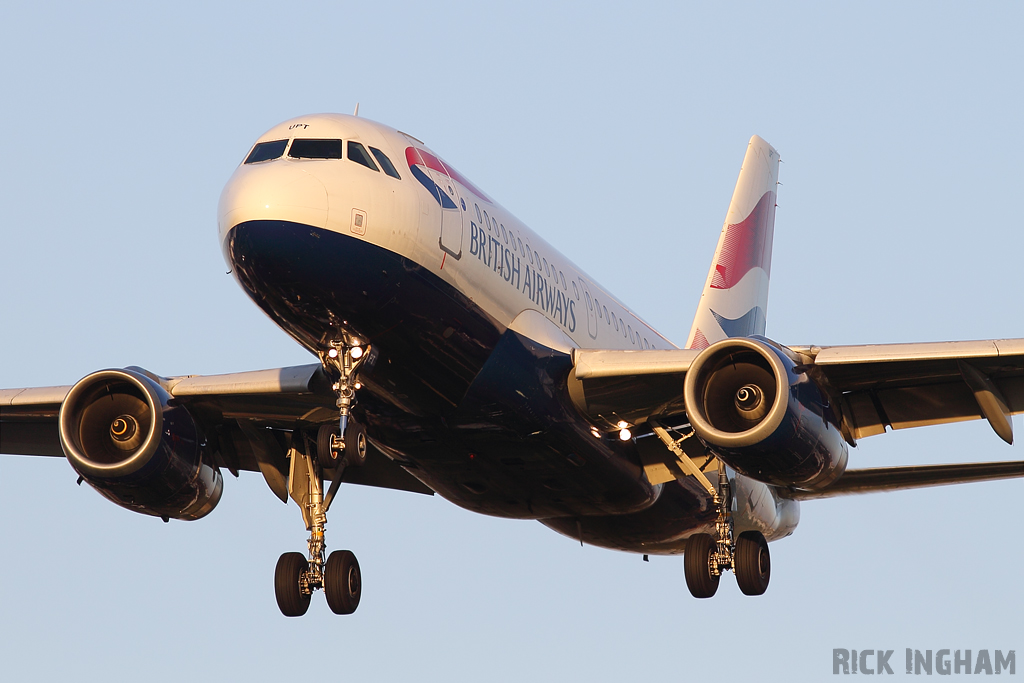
(735, 298)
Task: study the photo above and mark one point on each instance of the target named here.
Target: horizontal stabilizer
(913, 477)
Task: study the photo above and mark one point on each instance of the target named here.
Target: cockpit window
(306, 148)
(265, 151)
(384, 162)
(358, 154)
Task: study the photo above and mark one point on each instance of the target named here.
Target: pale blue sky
(616, 132)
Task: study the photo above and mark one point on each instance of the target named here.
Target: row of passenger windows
(627, 330)
(309, 148)
(524, 250)
(558, 276)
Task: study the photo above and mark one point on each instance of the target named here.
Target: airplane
(458, 353)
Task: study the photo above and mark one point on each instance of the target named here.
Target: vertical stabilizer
(735, 298)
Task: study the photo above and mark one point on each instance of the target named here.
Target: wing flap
(913, 477)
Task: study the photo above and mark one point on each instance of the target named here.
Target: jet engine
(121, 432)
(748, 401)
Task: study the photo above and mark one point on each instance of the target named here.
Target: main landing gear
(296, 576)
(706, 556)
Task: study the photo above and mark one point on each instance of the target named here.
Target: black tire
(290, 598)
(325, 455)
(753, 563)
(697, 566)
(343, 582)
(355, 444)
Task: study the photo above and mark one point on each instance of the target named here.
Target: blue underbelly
(479, 413)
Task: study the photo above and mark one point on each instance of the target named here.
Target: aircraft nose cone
(274, 191)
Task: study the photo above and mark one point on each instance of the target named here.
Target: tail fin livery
(735, 298)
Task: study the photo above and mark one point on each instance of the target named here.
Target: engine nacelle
(120, 432)
(765, 419)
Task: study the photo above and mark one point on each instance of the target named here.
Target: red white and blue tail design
(735, 298)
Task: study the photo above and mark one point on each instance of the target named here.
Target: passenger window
(384, 162)
(630, 328)
(546, 268)
(562, 275)
(622, 327)
(646, 345)
(477, 207)
(616, 323)
(576, 291)
(487, 221)
(606, 315)
(265, 151)
(598, 304)
(358, 154)
(536, 256)
(504, 234)
(529, 252)
(304, 148)
(494, 225)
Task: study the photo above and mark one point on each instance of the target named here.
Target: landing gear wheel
(328, 457)
(753, 563)
(290, 598)
(697, 566)
(355, 444)
(343, 583)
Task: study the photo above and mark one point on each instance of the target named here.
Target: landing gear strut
(706, 556)
(296, 577)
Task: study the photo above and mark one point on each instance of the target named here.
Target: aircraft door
(450, 239)
(591, 306)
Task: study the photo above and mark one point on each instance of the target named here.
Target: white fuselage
(491, 256)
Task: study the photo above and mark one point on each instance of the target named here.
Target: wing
(872, 388)
(913, 385)
(247, 418)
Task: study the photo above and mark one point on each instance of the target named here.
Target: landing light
(622, 424)
(333, 353)
(357, 352)
(625, 435)
(597, 434)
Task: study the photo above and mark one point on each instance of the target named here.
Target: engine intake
(120, 432)
(747, 402)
